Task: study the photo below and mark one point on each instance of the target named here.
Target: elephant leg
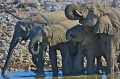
(90, 61)
(53, 59)
(35, 59)
(40, 64)
(79, 61)
(65, 61)
(71, 60)
(110, 57)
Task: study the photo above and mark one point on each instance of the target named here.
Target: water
(22, 74)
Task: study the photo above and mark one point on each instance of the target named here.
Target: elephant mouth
(36, 46)
(72, 37)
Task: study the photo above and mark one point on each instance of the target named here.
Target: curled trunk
(34, 45)
(71, 12)
(68, 33)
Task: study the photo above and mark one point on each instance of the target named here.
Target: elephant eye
(44, 36)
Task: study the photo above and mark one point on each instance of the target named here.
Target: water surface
(22, 74)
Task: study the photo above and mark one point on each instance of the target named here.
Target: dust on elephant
(27, 27)
(106, 23)
(54, 36)
(89, 44)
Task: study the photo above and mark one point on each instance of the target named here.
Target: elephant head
(20, 33)
(47, 35)
(103, 19)
(81, 34)
(24, 29)
(75, 12)
(75, 33)
(35, 43)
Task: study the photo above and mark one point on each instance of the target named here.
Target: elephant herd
(89, 30)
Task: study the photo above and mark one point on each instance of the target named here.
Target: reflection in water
(21, 74)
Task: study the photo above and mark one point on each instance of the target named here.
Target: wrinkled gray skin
(89, 44)
(106, 23)
(26, 28)
(72, 53)
(54, 36)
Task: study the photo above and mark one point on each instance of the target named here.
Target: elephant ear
(107, 25)
(58, 36)
(89, 38)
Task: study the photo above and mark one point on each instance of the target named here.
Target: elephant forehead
(78, 27)
(93, 5)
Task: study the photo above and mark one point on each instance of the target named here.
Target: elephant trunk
(69, 35)
(72, 12)
(34, 45)
(11, 49)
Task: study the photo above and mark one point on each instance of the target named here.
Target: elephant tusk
(90, 21)
(80, 14)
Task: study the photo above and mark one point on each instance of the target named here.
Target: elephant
(89, 45)
(27, 27)
(106, 23)
(54, 36)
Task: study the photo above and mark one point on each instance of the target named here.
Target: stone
(28, 8)
(27, 68)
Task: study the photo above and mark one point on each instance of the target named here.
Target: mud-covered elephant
(89, 45)
(27, 27)
(54, 36)
(106, 23)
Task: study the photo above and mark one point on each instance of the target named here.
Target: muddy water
(22, 74)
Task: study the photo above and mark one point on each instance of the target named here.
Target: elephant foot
(37, 71)
(90, 73)
(55, 74)
(100, 72)
(109, 72)
(3, 74)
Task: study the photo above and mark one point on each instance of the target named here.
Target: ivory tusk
(80, 14)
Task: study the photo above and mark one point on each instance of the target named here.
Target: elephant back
(56, 16)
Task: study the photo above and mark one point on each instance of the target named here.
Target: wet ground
(22, 74)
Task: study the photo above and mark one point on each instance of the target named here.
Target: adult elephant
(89, 45)
(54, 36)
(106, 23)
(26, 28)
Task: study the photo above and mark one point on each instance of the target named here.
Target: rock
(15, 69)
(19, 59)
(26, 61)
(27, 68)
(28, 8)
(11, 69)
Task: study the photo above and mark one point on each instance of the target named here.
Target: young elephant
(88, 43)
(54, 36)
(26, 28)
